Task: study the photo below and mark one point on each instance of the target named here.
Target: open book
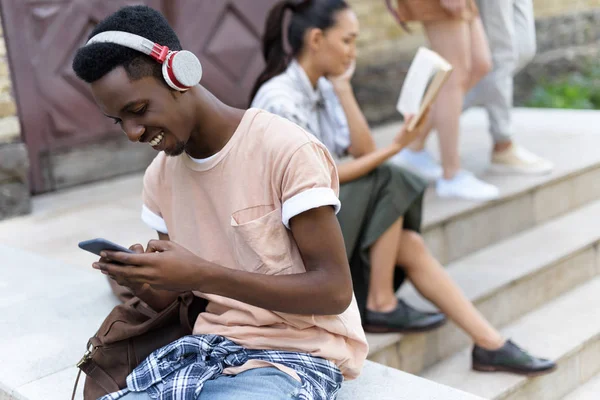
(426, 75)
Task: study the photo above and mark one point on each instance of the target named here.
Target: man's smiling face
(147, 110)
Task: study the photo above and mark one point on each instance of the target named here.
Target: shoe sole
(480, 200)
(444, 195)
(507, 170)
(499, 368)
(387, 329)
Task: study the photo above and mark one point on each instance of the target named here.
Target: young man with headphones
(244, 203)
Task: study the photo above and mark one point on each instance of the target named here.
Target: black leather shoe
(510, 358)
(403, 319)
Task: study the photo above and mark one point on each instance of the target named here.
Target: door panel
(226, 36)
(57, 111)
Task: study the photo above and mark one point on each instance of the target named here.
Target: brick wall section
(380, 34)
(7, 103)
(551, 8)
(15, 198)
(9, 124)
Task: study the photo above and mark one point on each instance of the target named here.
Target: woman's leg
(381, 297)
(384, 312)
(481, 57)
(451, 39)
(479, 66)
(434, 283)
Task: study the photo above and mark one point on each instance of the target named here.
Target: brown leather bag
(127, 336)
(427, 10)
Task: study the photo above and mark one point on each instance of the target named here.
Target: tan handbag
(427, 10)
(127, 336)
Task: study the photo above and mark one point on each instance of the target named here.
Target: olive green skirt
(370, 205)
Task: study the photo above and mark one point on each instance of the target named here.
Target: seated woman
(381, 203)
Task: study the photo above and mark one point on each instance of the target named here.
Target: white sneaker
(518, 160)
(419, 162)
(466, 186)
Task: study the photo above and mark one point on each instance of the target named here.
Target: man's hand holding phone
(137, 289)
(163, 265)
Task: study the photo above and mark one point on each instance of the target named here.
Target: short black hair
(96, 60)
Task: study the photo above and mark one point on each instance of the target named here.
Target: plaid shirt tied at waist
(179, 370)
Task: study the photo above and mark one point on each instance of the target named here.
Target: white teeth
(157, 140)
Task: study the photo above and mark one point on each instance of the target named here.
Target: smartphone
(95, 246)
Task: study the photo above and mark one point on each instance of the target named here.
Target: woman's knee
(412, 247)
(480, 67)
(451, 40)
(414, 240)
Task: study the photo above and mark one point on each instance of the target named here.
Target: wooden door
(226, 37)
(62, 127)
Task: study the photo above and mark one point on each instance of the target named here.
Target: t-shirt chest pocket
(260, 240)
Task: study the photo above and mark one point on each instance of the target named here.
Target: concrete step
(588, 391)
(48, 310)
(375, 382)
(504, 281)
(379, 382)
(66, 307)
(569, 138)
(566, 330)
(110, 209)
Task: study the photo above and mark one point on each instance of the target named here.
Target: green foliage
(576, 90)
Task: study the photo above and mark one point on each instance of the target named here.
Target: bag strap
(104, 380)
(92, 370)
(186, 300)
(76, 382)
(394, 12)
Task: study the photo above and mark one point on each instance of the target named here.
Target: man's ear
(314, 38)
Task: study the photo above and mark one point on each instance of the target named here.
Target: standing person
(311, 86)
(510, 29)
(244, 203)
(460, 39)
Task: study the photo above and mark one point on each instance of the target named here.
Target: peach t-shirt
(233, 209)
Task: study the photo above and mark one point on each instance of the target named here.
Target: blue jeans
(255, 384)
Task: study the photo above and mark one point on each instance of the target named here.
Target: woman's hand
(455, 7)
(343, 79)
(405, 137)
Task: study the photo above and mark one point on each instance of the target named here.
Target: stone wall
(568, 36)
(566, 43)
(14, 162)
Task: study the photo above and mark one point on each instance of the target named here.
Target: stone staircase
(529, 261)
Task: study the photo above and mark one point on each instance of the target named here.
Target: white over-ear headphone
(181, 69)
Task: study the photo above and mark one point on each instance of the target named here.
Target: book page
(420, 79)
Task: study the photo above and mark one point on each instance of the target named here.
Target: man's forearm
(313, 292)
